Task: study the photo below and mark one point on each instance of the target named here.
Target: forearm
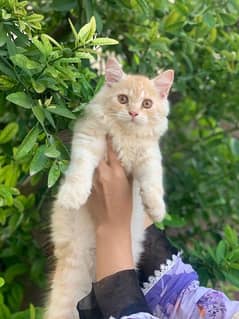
(113, 251)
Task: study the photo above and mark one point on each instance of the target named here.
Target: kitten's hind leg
(74, 240)
(66, 290)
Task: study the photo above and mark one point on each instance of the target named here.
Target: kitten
(133, 110)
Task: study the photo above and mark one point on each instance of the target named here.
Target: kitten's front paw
(73, 195)
(156, 211)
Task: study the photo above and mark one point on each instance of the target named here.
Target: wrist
(113, 232)
(113, 250)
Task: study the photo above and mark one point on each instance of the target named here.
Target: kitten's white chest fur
(133, 110)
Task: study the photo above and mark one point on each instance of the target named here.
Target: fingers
(130, 179)
(103, 172)
(112, 158)
(95, 182)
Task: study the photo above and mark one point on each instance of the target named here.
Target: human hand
(111, 200)
(111, 206)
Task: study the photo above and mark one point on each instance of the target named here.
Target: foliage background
(48, 74)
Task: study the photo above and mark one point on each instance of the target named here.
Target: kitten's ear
(163, 82)
(113, 71)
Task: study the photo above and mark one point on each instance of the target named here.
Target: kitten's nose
(133, 114)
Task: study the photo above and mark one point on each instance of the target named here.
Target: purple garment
(174, 293)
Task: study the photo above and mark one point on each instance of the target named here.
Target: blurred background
(52, 55)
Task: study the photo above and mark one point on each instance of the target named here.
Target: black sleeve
(116, 295)
(120, 294)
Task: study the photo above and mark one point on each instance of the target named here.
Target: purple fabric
(168, 288)
(213, 305)
(175, 294)
(141, 315)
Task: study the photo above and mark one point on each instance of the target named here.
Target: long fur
(136, 144)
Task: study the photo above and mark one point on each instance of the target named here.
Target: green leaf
(4, 311)
(63, 166)
(220, 251)
(21, 99)
(87, 31)
(6, 195)
(6, 70)
(6, 83)
(173, 20)
(228, 18)
(53, 174)
(47, 44)
(11, 47)
(39, 113)
(73, 30)
(144, 5)
(3, 36)
(9, 132)
(39, 160)
(234, 255)
(24, 63)
(104, 41)
(28, 143)
(234, 266)
(13, 271)
(209, 20)
(62, 111)
(234, 145)
(15, 296)
(52, 152)
(83, 55)
(32, 311)
(231, 236)
(2, 282)
(233, 277)
(70, 60)
(49, 118)
(39, 86)
(52, 40)
(26, 314)
(39, 45)
(174, 221)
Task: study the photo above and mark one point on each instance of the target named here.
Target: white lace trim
(158, 274)
(139, 315)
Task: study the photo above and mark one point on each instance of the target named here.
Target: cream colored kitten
(133, 110)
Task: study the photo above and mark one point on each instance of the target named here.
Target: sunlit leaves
(39, 160)
(21, 99)
(104, 41)
(61, 110)
(87, 35)
(28, 143)
(54, 174)
(9, 132)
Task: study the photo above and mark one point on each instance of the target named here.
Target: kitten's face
(136, 101)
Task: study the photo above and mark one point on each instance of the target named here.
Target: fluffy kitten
(133, 110)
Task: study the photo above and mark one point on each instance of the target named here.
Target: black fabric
(157, 250)
(120, 294)
(88, 307)
(116, 295)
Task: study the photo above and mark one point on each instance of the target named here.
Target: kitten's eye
(123, 99)
(147, 103)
